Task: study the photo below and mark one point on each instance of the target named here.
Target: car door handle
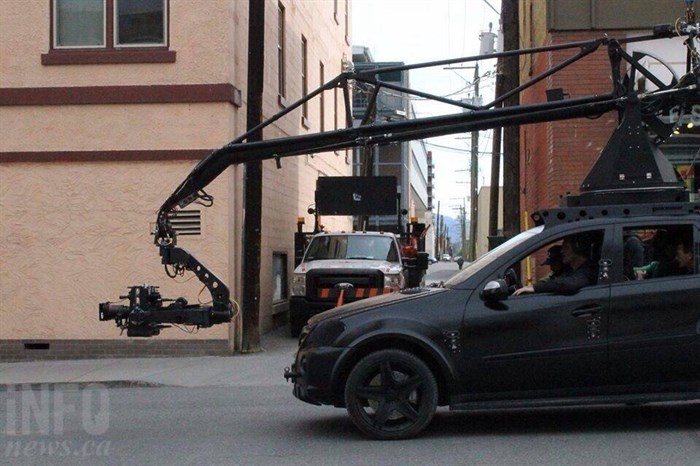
(586, 312)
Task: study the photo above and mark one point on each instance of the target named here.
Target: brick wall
(556, 156)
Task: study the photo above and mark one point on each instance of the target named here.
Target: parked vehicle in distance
(432, 260)
(446, 258)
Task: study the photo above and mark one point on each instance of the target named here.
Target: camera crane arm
(145, 315)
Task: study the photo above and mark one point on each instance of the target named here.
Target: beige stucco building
(101, 122)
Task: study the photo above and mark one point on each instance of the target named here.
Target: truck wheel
(391, 395)
(295, 325)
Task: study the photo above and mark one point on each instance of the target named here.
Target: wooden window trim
(103, 57)
(100, 95)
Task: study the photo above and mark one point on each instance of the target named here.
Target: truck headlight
(298, 284)
(393, 282)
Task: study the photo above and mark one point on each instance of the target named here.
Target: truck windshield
(352, 247)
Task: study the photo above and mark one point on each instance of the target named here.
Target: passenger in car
(676, 258)
(633, 255)
(557, 268)
(584, 272)
(684, 256)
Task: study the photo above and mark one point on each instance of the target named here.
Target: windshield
(352, 247)
(492, 255)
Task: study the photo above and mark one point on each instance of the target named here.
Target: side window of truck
(658, 251)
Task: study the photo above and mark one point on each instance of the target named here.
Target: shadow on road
(607, 419)
(681, 416)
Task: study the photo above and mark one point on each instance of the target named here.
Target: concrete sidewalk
(263, 368)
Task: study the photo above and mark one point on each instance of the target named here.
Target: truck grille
(321, 284)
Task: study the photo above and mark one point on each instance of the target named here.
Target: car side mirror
(495, 290)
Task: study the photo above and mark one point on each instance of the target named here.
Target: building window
(335, 108)
(322, 100)
(347, 22)
(279, 276)
(140, 22)
(79, 23)
(304, 81)
(109, 23)
(281, 68)
(108, 31)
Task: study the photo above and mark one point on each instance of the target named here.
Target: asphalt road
(441, 271)
(265, 425)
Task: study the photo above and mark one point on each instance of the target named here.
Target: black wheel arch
(426, 350)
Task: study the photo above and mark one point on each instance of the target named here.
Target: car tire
(391, 395)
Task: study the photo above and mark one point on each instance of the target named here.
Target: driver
(583, 271)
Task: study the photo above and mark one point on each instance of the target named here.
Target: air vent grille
(186, 222)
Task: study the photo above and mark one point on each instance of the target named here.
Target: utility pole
(252, 222)
(494, 206)
(437, 234)
(463, 210)
(474, 178)
(511, 134)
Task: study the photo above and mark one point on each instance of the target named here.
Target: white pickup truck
(342, 267)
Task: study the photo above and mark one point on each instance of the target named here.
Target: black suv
(632, 336)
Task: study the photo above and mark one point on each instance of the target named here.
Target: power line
(491, 6)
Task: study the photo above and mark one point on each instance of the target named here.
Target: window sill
(100, 57)
(280, 306)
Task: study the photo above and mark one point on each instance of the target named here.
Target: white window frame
(54, 6)
(115, 29)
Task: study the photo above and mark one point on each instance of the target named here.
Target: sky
(416, 31)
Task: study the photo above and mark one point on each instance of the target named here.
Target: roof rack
(558, 216)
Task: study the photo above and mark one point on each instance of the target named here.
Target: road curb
(34, 386)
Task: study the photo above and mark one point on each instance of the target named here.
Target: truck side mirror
(422, 260)
(495, 290)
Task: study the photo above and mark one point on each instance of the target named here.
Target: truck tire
(295, 325)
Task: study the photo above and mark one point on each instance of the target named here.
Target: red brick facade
(556, 156)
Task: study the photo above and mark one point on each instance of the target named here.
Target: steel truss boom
(145, 314)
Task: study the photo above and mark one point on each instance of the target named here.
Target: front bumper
(312, 374)
(302, 309)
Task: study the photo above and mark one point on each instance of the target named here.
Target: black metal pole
(250, 302)
(511, 134)
(494, 204)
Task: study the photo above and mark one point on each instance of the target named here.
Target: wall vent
(186, 222)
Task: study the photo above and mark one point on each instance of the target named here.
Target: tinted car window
(657, 251)
(493, 255)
